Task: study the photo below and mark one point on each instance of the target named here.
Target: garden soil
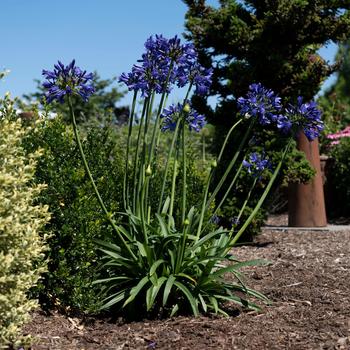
(308, 282)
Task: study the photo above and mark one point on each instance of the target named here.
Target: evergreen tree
(274, 42)
(336, 100)
(341, 87)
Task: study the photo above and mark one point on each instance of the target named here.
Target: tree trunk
(306, 206)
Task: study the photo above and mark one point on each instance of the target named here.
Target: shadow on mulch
(307, 282)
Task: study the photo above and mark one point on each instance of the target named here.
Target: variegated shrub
(21, 245)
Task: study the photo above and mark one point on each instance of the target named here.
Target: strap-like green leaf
(163, 226)
(187, 276)
(239, 301)
(166, 205)
(189, 297)
(155, 266)
(108, 245)
(208, 237)
(142, 249)
(203, 303)
(174, 310)
(119, 278)
(136, 290)
(169, 283)
(214, 304)
(152, 292)
(257, 295)
(256, 262)
(114, 299)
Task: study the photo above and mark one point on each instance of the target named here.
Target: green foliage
(338, 174)
(173, 271)
(76, 218)
(21, 222)
(298, 170)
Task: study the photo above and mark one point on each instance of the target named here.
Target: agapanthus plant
(165, 259)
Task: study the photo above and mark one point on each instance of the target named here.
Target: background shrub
(338, 175)
(76, 217)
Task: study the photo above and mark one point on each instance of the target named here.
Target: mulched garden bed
(308, 283)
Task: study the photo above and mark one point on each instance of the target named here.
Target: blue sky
(102, 35)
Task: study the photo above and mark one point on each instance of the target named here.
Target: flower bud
(214, 164)
(148, 170)
(186, 222)
(187, 108)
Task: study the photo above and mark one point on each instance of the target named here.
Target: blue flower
(165, 63)
(284, 124)
(215, 219)
(256, 164)
(172, 114)
(306, 117)
(67, 80)
(260, 103)
(202, 79)
(195, 121)
(234, 221)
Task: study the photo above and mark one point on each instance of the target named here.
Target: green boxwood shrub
(75, 212)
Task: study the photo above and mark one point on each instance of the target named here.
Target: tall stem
(205, 203)
(156, 127)
(184, 173)
(137, 151)
(243, 207)
(203, 148)
(229, 189)
(142, 185)
(230, 166)
(126, 169)
(87, 169)
(173, 185)
(167, 165)
(262, 198)
(172, 147)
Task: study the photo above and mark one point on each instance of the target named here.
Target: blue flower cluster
(266, 106)
(306, 116)
(256, 164)
(260, 103)
(67, 80)
(166, 63)
(172, 114)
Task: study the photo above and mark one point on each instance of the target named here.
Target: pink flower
(338, 135)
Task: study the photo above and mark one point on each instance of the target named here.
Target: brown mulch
(308, 283)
